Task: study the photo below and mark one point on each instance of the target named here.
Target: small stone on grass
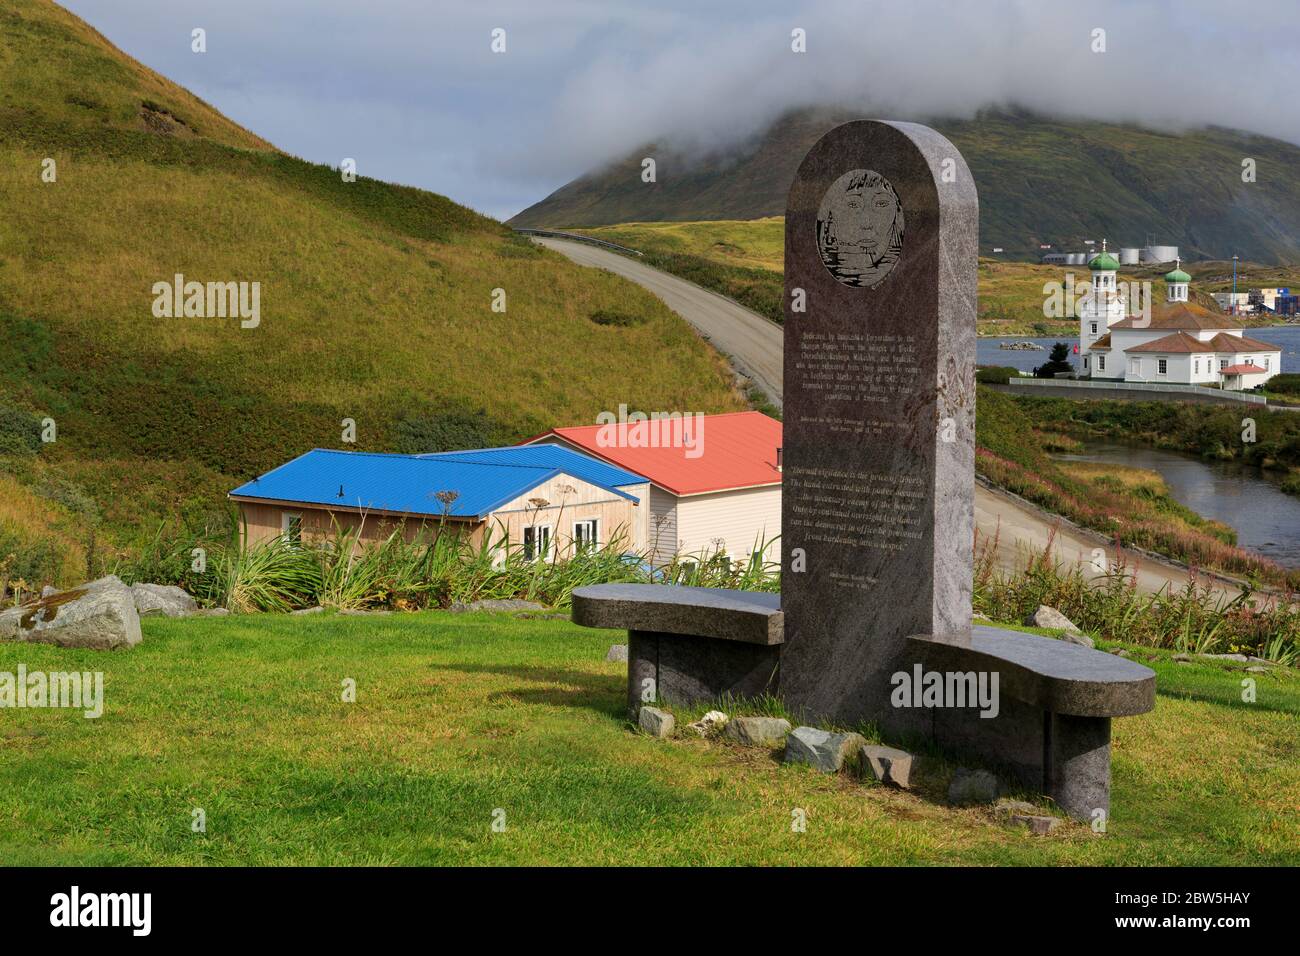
(656, 722)
(757, 731)
(821, 749)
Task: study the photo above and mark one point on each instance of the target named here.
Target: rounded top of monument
(1104, 263)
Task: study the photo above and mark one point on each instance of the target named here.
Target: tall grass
(1196, 619)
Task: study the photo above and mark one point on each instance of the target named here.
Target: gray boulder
(888, 765)
(100, 615)
(969, 787)
(1052, 619)
(616, 653)
(656, 722)
(212, 612)
(822, 749)
(757, 731)
(162, 599)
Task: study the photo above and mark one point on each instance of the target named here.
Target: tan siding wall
(740, 519)
(571, 499)
(266, 521)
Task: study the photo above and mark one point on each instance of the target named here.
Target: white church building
(1182, 344)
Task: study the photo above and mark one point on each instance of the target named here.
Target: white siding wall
(662, 535)
(741, 520)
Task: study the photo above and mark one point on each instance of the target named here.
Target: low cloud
(411, 89)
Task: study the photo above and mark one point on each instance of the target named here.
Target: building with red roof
(715, 480)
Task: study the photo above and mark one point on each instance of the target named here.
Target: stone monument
(878, 494)
(873, 622)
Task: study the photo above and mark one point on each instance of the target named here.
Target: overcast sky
(412, 90)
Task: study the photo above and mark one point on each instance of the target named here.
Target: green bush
(1287, 383)
(20, 431)
(620, 319)
(449, 431)
(996, 374)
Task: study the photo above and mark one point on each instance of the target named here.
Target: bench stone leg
(1077, 764)
(642, 666)
(689, 670)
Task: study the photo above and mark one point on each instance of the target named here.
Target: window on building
(1094, 328)
(1135, 366)
(1266, 361)
(537, 542)
(291, 526)
(1085, 361)
(1101, 363)
(1162, 366)
(1223, 363)
(584, 535)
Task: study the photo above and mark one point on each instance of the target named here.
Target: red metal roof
(1244, 368)
(736, 450)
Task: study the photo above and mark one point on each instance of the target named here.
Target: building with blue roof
(546, 499)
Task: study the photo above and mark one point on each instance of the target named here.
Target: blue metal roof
(409, 483)
(570, 462)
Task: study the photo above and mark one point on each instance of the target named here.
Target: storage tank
(1159, 253)
(1130, 256)
(1075, 259)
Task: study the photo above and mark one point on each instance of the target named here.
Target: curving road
(752, 342)
(754, 345)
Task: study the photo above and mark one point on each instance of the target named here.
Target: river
(1266, 519)
(1286, 337)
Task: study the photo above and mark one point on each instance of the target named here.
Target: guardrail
(1212, 394)
(575, 237)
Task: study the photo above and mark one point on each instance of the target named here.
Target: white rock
(711, 723)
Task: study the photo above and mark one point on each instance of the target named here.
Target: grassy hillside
(412, 771)
(744, 260)
(1040, 181)
(376, 305)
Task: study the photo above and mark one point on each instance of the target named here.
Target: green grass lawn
(459, 715)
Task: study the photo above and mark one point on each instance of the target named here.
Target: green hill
(1040, 180)
(375, 305)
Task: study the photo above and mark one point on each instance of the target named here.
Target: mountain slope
(1040, 181)
(375, 306)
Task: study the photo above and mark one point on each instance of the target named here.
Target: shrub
(1287, 383)
(996, 374)
(620, 319)
(20, 431)
(451, 430)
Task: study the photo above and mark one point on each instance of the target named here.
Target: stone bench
(695, 644)
(1055, 699)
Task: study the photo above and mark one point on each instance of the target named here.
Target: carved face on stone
(860, 228)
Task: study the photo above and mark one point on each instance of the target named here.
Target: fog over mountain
(413, 91)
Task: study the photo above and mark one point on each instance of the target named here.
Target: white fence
(1176, 391)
